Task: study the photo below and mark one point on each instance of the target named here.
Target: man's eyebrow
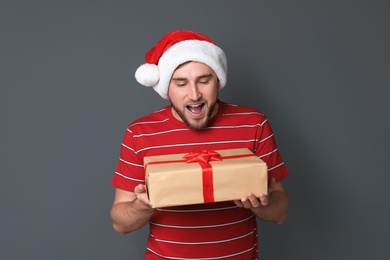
(205, 76)
(179, 79)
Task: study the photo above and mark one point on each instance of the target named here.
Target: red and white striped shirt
(207, 231)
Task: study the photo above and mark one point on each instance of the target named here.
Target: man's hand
(140, 193)
(272, 207)
(251, 201)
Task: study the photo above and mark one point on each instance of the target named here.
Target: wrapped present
(204, 177)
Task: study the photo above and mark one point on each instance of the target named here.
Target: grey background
(317, 69)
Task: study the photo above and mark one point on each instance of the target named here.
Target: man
(189, 69)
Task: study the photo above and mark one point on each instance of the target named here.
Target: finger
(255, 202)
(246, 203)
(263, 199)
(239, 203)
(139, 189)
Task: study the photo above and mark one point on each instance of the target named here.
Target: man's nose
(195, 93)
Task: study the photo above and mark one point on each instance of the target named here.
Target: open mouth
(196, 109)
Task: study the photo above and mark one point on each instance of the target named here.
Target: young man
(189, 69)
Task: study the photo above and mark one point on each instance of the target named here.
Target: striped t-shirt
(206, 231)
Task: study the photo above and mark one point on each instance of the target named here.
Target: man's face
(193, 92)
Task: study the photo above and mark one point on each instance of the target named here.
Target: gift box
(204, 177)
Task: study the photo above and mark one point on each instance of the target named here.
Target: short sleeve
(267, 151)
(130, 170)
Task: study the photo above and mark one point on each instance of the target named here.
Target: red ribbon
(203, 158)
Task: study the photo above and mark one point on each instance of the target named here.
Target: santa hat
(174, 49)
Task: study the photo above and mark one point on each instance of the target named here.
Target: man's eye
(181, 84)
(204, 82)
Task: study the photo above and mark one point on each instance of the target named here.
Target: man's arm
(130, 210)
(272, 207)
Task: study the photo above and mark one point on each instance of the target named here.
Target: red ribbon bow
(203, 158)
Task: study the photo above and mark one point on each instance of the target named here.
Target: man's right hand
(140, 193)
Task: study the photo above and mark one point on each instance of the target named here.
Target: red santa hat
(174, 49)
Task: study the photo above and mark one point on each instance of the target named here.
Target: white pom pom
(147, 75)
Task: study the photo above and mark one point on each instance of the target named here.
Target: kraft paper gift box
(204, 177)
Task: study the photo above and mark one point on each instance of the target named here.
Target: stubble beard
(205, 120)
